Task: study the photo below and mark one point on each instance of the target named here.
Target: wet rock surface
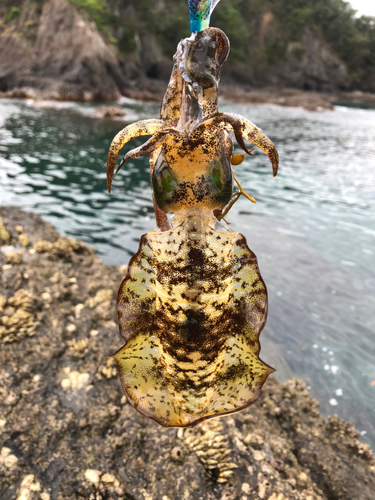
(109, 111)
(67, 432)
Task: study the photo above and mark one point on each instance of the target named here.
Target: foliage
(97, 10)
(13, 13)
(259, 30)
(351, 38)
(244, 21)
(127, 41)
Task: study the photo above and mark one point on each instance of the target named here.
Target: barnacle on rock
(17, 320)
(43, 246)
(14, 257)
(7, 458)
(18, 325)
(108, 371)
(24, 240)
(2, 302)
(210, 442)
(4, 235)
(77, 246)
(62, 248)
(79, 346)
(21, 299)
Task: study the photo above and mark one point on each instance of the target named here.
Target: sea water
(313, 228)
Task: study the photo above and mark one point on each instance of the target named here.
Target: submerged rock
(67, 432)
(109, 111)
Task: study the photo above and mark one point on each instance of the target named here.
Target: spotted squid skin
(193, 172)
(193, 302)
(190, 310)
(200, 60)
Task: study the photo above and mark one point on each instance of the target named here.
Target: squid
(193, 303)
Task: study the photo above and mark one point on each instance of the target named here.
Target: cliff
(98, 50)
(67, 432)
(61, 54)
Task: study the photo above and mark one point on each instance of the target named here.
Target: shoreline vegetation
(67, 431)
(289, 52)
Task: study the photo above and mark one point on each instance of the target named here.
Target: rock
(4, 235)
(311, 65)
(68, 432)
(14, 257)
(69, 59)
(108, 478)
(7, 459)
(308, 63)
(312, 101)
(109, 111)
(53, 50)
(92, 476)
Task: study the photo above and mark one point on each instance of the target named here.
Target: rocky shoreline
(53, 50)
(311, 101)
(67, 432)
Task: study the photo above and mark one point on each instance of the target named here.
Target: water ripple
(312, 229)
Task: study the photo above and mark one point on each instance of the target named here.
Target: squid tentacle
(243, 128)
(256, 136)
(148, 147)
(144, 127)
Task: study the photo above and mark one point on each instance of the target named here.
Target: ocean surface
(313, 228)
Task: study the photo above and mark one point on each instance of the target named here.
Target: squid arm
(144, 127)
(243, 128)
(149, 146)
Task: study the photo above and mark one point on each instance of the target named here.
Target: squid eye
(211, 52)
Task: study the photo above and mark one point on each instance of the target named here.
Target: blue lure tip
(196, 26)
(200, 12)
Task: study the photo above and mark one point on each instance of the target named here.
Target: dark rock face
(66, 431)
(309, 64)
(15, 59)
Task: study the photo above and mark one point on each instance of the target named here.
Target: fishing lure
(193, 302)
